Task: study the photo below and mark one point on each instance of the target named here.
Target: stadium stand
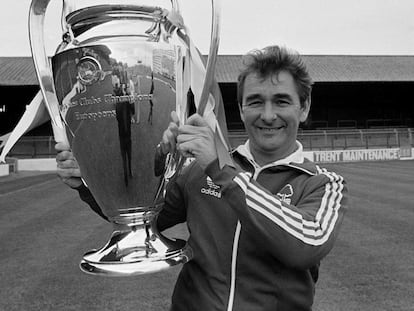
(357, 102)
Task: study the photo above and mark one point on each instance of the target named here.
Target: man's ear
(305, 110)
(241, 113)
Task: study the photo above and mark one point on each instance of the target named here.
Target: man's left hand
(196, 139)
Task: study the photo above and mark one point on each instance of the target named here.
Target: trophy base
(135, 252)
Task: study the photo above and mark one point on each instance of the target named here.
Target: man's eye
(282, 103)
(254, 104)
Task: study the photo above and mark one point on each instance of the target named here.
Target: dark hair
(270, 61)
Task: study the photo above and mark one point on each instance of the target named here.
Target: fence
(337, 139)
(34, 147)
(43, 146)
(356, 139)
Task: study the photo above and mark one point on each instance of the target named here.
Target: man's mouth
(270, 129)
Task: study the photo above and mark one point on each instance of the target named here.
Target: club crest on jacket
(285, 195)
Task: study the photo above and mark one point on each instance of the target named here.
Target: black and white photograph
(209, 155)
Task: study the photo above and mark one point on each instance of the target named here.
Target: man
(257, 230)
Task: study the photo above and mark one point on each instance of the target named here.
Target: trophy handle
(212, 55)
(44, 73)
(210, 65)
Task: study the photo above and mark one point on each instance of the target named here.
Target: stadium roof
(361, 68)
(337, 68)
(323, 68)
(17, 71)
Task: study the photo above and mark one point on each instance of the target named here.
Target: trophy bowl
(110, 89)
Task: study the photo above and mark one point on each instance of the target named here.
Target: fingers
(175, 134)
(68, 172)
(193, 145)
(169, 137)
(62, 147)
(196, 120)
(187, 149)
(64, 155)
(188, 137)
(195, 125)
(64, 152)
(70, 176)
(67, 168)
(174, 118)
(197, 142)
(194, 130)
(196, 139)
(68, 163)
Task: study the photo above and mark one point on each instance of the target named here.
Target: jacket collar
(296, 156)
(295, 160)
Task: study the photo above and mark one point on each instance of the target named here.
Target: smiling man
(258, 229)
(258, 244)
(271, 111)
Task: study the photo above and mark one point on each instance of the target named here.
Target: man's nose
(268, 113)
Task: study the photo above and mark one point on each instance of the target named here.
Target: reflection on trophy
(110, 89)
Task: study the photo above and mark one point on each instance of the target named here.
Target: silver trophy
(109, 90)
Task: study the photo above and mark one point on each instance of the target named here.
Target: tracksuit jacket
(257, 233)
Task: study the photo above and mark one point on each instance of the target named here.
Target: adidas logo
(211, 184)
(212, 189)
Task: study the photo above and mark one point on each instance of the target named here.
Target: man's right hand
(67, 167)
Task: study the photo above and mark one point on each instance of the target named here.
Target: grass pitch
(45, 228)
(371, 266)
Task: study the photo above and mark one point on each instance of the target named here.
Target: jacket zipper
(233, 266)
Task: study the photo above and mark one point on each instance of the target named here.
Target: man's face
(271, 113)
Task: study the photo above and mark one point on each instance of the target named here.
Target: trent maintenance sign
(361, 155)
